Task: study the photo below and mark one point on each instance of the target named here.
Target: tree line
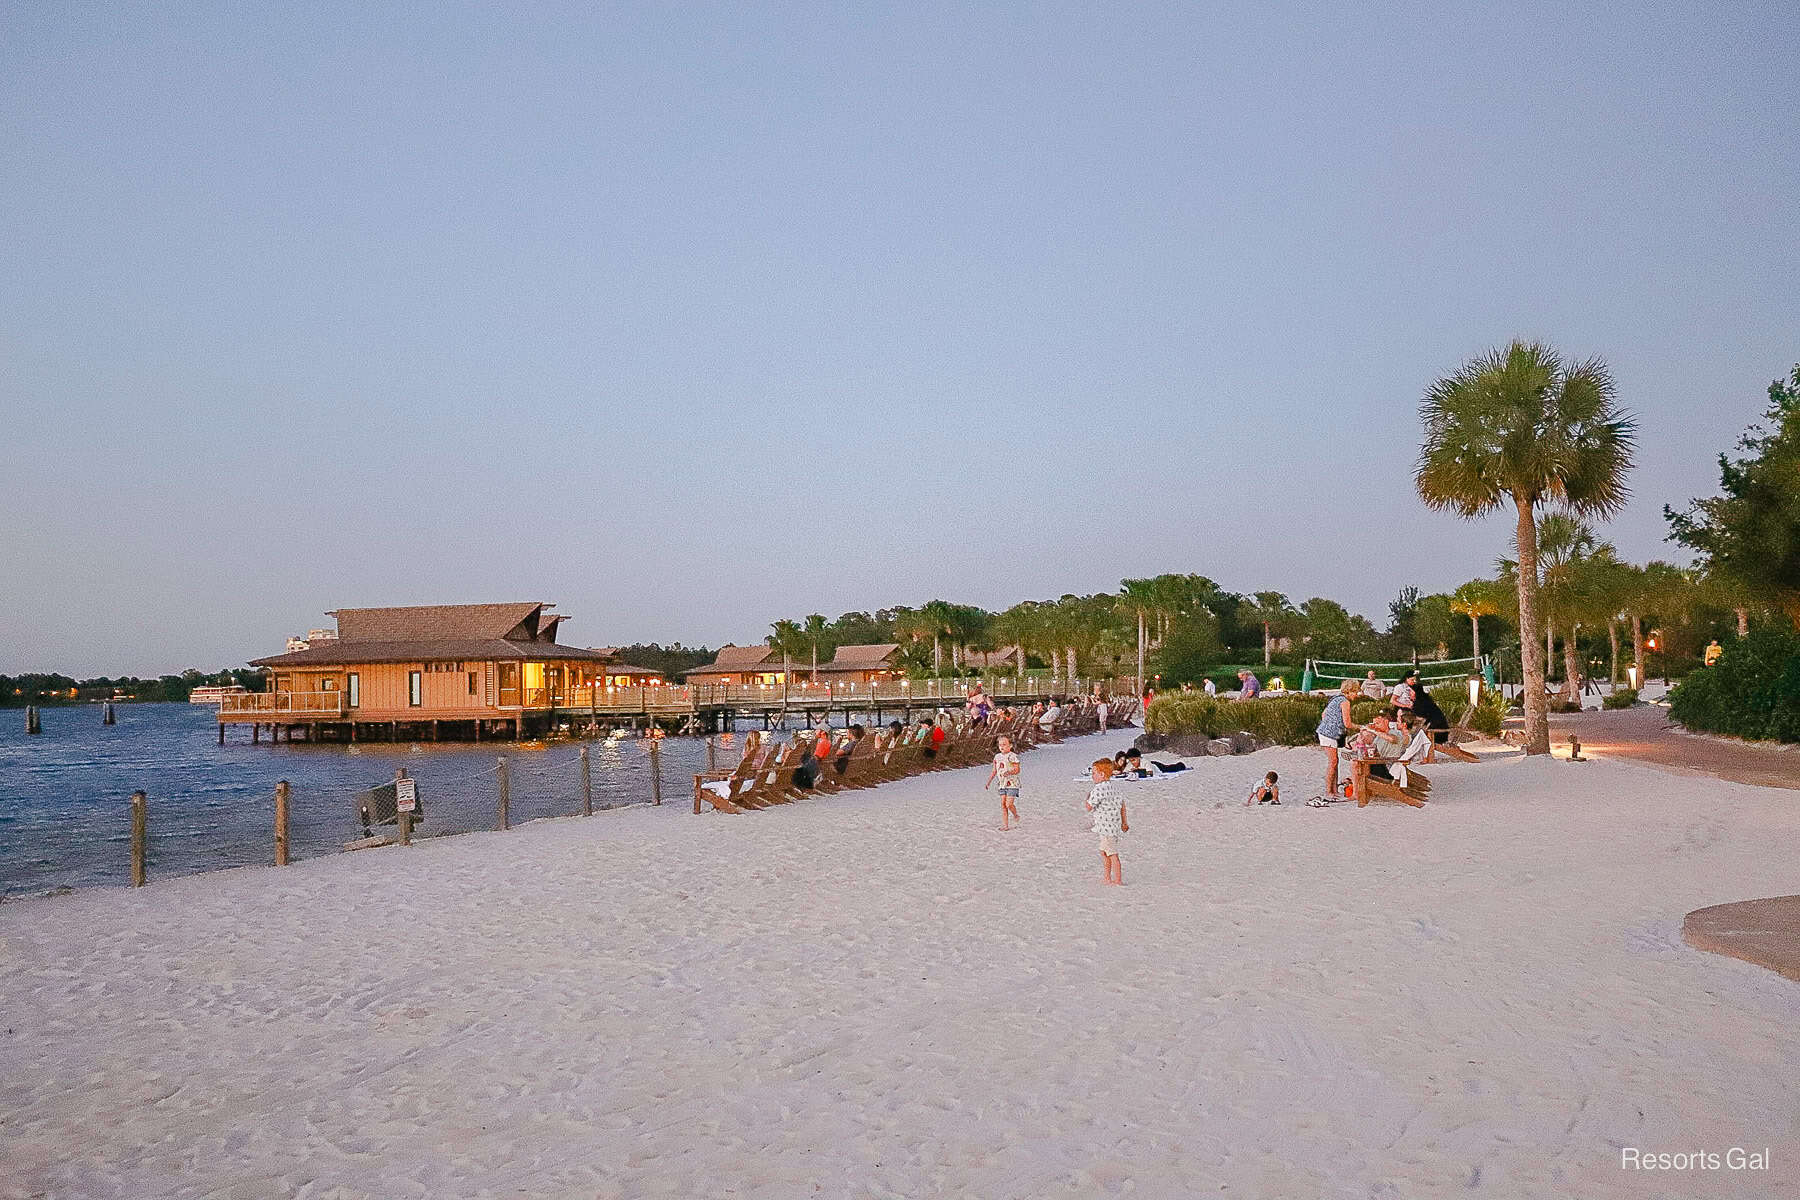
(45, 688)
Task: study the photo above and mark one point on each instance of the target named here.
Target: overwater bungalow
(861, 665)
(458, 670)
(759, 666)
(741, 666)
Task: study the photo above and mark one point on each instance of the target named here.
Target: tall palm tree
(1139, 596)
(940, 617)
(1476, 599)
(815, 628)
(1564, 542)
(787, 637)
(1520, 426)
(1272, 611)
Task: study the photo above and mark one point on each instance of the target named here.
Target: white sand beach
(881, 994)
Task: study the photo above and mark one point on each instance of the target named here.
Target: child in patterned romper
(1006, 770)
(1107, 803)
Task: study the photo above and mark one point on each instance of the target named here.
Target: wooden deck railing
(687, 698)
(312, 704)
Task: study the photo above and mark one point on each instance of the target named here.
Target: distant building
(740, 666)
(752, 666)
(861, 664)
(476, 663)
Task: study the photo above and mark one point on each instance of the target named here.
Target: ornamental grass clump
(1281, 720)
(1490, 713)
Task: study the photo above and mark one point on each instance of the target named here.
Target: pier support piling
(504, 816)
(587, 785)
(656, 771)
(402, 820)
(140, 837)
(281, 823)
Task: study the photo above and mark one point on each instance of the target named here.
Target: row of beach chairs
(780, 772)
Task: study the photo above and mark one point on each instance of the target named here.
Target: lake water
(65, 812)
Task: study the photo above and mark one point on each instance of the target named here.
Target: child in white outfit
(1107, 803)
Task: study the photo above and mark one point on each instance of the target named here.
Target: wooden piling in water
(656, 771)
(34, 724)
(505, 813)
(107, 716)
(281, 823)
(402, 820)
(587, 785)
(140, 836)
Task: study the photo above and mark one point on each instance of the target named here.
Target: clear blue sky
(691, 317)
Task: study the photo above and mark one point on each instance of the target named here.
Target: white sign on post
(406, 795)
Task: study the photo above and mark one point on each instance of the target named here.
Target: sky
(690, 317)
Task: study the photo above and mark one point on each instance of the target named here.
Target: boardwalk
(700, 708)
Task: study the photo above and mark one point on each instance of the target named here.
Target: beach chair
(742, 785)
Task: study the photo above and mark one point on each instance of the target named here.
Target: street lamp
(1474, 690)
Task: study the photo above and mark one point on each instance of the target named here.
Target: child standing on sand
(1006, 770)
(1107, 803)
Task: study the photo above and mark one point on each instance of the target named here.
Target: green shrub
(1284, 720)
(1622, 698)
(1489, 716)
(1753, 691)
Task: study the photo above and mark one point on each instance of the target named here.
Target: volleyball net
(1443, 670)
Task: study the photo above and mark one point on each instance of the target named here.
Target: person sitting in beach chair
(1427, 710)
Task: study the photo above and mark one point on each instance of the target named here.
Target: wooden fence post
(281, 823)
(656, 770)
(140, 836)
(403, 820)
(505, 814)
(712, 754)
(587, 785)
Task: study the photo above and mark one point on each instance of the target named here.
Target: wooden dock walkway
(682, 709)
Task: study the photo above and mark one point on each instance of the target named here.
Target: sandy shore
(881, 994)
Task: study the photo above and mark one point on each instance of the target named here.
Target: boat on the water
(215, 695)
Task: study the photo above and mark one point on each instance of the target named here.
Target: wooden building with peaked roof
(481, 669)
(863, 664)
(739, 666)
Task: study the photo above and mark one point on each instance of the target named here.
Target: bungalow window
(353, 688)
(471, 683)
(415, 688)
(328, 684)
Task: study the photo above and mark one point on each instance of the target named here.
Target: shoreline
(881, 993)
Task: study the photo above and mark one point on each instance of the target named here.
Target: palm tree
(1272, 611)
(1139, 596)
(1519, 426)
(815, 628)
(939, 617)
(1476, 599)
(790, 639)
(1563, 543)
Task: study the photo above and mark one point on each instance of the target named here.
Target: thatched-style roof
(734, 659)
(519, 620)
(439, 633)
(873, 657)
